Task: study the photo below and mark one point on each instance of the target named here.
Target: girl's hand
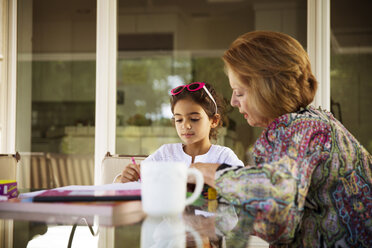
(208, 171)
(131, 173)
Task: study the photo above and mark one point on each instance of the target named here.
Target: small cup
(163, 187)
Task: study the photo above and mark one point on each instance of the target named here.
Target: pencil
(134, 162)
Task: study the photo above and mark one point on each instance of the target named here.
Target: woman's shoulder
(305, 118)
(295, 135)
(298, 128)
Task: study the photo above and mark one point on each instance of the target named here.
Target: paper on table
(203, 213)
(112, 186)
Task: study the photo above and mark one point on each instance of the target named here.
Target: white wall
(207, 31)
(3, 95)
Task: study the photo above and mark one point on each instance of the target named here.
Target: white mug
(163, 187)
(167, 232)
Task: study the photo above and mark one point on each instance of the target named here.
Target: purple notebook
(54, 195)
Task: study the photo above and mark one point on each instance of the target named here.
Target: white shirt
(174, 152)
(216, 154)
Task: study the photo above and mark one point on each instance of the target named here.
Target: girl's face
(192, 122)
(240, 99)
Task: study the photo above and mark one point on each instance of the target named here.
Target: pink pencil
(134, 162)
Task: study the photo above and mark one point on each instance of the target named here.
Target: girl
(197, 111)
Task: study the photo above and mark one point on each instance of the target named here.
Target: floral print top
(310, 185)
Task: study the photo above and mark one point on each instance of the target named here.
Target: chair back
(71, 169)
(33, 171)
(8, 166)
(112, 165)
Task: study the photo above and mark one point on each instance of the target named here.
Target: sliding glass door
(162, 44)
(56, 68)
(351, 60)
(158, 45)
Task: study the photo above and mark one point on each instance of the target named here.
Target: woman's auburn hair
(275, 68)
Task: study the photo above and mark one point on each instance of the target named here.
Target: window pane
(351, 63)
(56, 92)
(164, 43)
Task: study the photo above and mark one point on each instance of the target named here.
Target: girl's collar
(183, 149)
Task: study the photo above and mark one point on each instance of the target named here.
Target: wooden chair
(71, 169)
(113, 165)
(33, 172)
(8, 166)
(8, 171)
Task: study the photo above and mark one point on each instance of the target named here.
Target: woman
(310, 185)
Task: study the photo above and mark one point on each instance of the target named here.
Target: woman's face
(240, 99)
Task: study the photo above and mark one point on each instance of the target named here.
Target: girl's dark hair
(202, 98)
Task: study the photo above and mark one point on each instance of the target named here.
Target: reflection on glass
(162, 44)
(56, 92)
(167, 232)
(143, 84)
(351, 60)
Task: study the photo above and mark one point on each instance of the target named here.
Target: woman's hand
(208, 171)
(131, 173)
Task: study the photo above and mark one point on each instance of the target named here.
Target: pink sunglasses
(193, 87)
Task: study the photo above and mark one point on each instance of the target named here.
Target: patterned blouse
(310, 185)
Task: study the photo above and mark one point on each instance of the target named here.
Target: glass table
(206, 223)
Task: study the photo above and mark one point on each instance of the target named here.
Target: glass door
(351, 60)
(56, 68)
(162, 44)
